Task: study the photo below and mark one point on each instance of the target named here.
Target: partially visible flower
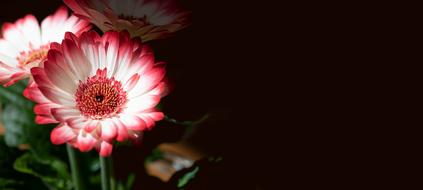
(98, 89)
(148, 19)
(24, 44)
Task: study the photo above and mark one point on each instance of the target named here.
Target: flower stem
(112, 177)
(187, 123)
(76, 176)
(105, 173)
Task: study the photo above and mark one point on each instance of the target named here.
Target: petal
(132, 122)
(75, 5)
(76, 60)
(108, 130)
(142, 103)
(13, 34)
(8, 61)
(122, 132)
(131, 82)
(149, 122)
(55, 26)
(44, 120)
(61, 134)
(105, 149)
(78, 122)
(156, 116)
(59, 73)
(148, 81)
(62, 114)
(54, 94)
(33, 93)
(85, 141)
(30, 30)
(57, 96)
(8, 48)
(111, 43)
(92, 125)
(160, 90)
(44, 109)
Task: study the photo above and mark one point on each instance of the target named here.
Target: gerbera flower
(148, 19)
(98, 89)
(25, 43)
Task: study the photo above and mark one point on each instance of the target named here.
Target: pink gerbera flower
(98, 89)
(148, 19)
(25, 43)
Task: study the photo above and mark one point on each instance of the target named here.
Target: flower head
(98, 89)
(148, 19)
(25, 43)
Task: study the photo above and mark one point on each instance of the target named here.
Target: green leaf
(37, 166)
(130, 181)
(21, 129)
(9, 183)
(13, 95)
(156, 154)
(16, 120)
(17, 114)
(184, 180)
(121, 185)
(53, 172)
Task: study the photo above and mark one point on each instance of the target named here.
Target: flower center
(131, 17)
(100, 97)
(33, 57)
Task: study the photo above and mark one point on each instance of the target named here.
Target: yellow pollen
(34, 55)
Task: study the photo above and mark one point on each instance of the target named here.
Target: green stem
(76, 176)
(105, 173)
(112, 177)
(187, 123)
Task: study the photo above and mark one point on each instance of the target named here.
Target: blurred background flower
(24, 44)
(147, 19)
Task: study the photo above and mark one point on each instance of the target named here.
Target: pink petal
(59, 73)
(131, 82)
(148, 81)
(148, 121)
(48, 90)
(142, 103)
(133, 122)
(105, 149)
(108, 130)
(44, 120)
(85, 141)
(122, 133)
(76, 60)
(60, 15)
(63, 114)
(43, 109)
(156, 116)
(33, 93)
(61, 134)
(56, 46)
(77, 122)
(75, 6)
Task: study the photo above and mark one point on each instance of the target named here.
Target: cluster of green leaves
(40, 160)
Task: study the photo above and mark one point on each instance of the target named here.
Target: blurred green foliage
(40, 159)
